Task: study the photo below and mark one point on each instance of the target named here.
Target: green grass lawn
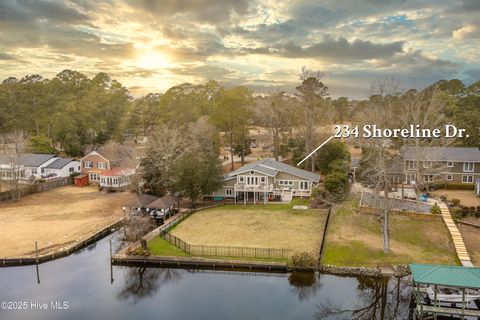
(161, 247)
(355, 239)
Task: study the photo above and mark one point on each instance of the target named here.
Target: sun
(152, 60)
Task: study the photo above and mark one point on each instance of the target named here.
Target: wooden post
(463, 303)
(36, 251)
(435, 302)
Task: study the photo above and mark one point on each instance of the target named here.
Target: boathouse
(445, 291)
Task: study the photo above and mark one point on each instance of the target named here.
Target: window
(468, 166)
(34, 170)
(285, 182)
(450, 164)
(241, 179)
(229, 192)
(428, 178)
(101, 165)
(449, 177)
(467, 179)
(42, 170)
(411, 165)
(71, 169)
(303, 185)
(94, 177)
(88, 164)
(79, 168)
(427, 164)
(262, 180)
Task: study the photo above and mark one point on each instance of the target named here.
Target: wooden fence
(34, 188)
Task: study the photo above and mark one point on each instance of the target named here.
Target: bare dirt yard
(265, 226)
(466, 197)
(56, 218)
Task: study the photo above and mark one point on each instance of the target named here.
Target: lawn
(466, 197)
(355, 239)
(161, 247)
(265, 226)
(56, 218)
(471, 237)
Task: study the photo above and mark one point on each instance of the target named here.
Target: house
(139, 203)
(92, 165)
(33, 165)
(162, 208)
(441, 164)
(61, 167)
(266, 180)
(116, 178)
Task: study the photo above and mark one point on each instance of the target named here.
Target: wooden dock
(456, 236)
(437, 310)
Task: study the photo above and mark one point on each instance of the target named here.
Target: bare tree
(137, 225)
(16, 171)
(203, 137)
(276, 113)
(312, 93)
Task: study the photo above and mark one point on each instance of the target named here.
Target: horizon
(150, 47)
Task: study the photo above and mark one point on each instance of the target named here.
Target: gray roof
(271, 167)
(164, 202)
(141, 201)
(452, 154)
(28, 159)
(59, 163)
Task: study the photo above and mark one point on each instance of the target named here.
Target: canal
(82, 286)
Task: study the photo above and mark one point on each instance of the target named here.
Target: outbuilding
(81, 180)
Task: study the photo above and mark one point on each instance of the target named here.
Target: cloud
(338, 50)
(206, 11)
(204, 71)
(467, 31)
(6, 56)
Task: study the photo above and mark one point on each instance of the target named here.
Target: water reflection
(304, 284)
(140, 283)
(377, 299)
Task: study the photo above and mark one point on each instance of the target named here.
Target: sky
(150, 46)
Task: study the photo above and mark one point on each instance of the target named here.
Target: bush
(435, 209)
(452, 186)
(302, 260)
(456, 202)
(337, 184)
(456, 213)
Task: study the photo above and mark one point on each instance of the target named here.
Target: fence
(226, 251)
(34, 188)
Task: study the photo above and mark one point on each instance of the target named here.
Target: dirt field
(56, 218)
(466, 197)
(271, 226)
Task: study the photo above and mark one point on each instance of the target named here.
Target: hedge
(452, 186)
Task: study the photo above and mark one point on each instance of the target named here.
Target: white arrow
(324, 143)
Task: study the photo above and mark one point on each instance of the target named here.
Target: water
(84, 281)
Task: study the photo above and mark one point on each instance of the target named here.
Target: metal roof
(141, 201)
(453, 154)
(271, 167)
(450, 276)
(59, 163)
(164, 202)
(27, 159)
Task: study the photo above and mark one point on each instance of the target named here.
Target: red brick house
(92, 165)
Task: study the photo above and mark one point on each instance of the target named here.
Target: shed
(140, 202)
(81, 180)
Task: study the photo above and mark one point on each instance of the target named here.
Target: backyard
(56, 218)
(467, 197)
(275, 226)
(355, 239)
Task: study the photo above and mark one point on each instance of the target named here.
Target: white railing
(250, 188)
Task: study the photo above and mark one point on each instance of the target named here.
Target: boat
(452, 296)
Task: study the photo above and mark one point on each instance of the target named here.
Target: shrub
(452, 186)
(337, 184)
(456, 213)
(435, 209)
(302, 260)
(464, 211)
(456, 202)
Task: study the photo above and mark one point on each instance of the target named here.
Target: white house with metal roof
(61, 167)
(35, 165)
(267, 180)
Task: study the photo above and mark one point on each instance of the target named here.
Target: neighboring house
(139, 203)
(116, 178)
(439, 164)
(92, 165)
(30, 165)
(62, 167)
(267, 180)
(162, 208)
(477, 188)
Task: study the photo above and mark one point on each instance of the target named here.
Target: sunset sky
(151, 45)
